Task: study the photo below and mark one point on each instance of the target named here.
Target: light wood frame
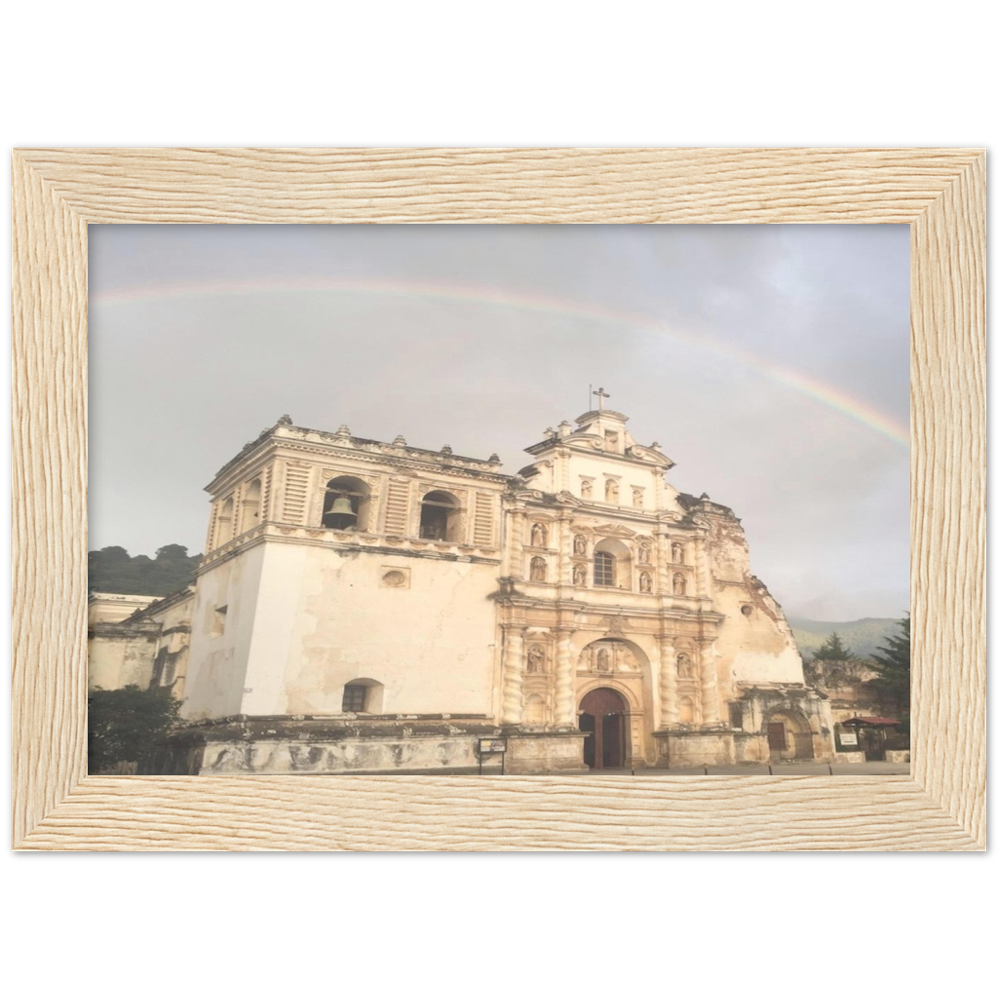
(939, 192)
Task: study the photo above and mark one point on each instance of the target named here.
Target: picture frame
(940, 193)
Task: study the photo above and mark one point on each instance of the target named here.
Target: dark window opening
(355, 696)
(439, 517)
(736, 716)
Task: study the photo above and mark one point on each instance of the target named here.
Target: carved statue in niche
(677, 552)
(636, 498)
(643, 552)
(645, 583)
(538, 569)
(611, 491)
(685, 668)
(586, 489)
(538, 536)
(580, 545)
(580, 575)
(680, 585)
(536, 660)
(604, 659)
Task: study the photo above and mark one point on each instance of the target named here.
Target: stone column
(668, 682)
(709, 684)
(565, 714)
(565, 571)
(513, 668)
(700, 568)
(517, 545)
(664, 585)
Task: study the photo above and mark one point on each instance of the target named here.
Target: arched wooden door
(603, 717)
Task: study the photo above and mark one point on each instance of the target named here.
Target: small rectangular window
(354, 698)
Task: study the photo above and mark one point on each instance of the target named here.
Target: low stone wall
(356, 756)
(897, 756)
(849, 757)
(696, 749)
(545, 753)
(312, 745)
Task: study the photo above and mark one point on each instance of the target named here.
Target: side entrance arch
(789, 736)
(604, 720)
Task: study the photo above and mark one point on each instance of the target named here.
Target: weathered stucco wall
(115, 661)
(222, 624)
(422, 628)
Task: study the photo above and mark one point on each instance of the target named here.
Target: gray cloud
(179, 383)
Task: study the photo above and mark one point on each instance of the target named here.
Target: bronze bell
(342, 505)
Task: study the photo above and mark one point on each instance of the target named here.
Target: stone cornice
(347, 542)
(392, 459)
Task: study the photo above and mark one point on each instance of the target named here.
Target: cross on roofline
(601, 396)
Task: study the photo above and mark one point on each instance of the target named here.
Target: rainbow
(830, 396)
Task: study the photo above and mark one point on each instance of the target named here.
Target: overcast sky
(770, 362)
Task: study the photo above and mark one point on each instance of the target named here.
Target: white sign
(849, 739)
(492, 746)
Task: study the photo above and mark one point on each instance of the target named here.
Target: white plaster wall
(331, 621)
(217, 664)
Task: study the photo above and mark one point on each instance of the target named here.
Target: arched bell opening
(346, 504)
(440, 516)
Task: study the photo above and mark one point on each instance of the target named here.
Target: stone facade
(385, 607)
(139, 640)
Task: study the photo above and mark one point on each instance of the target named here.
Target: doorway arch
(789, 736)
(604, 721)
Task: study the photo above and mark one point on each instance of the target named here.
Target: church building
(372, 607)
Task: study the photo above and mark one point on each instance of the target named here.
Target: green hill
(862, 637)
(113, 571)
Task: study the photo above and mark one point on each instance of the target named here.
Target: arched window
(362, 695)
(250, 507)
(612, 564)
(604, 569)
(346, 503)
(440, 516)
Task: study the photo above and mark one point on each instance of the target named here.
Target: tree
(892, 664)
(112, 570)
(833, 649)
(127, 724)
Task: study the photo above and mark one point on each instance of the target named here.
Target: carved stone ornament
(567, 499)
(615, 624)
(614, 529)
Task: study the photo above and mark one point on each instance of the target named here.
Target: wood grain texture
(940, 807)
(49, 485)
(948, 497)
(499, 185)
